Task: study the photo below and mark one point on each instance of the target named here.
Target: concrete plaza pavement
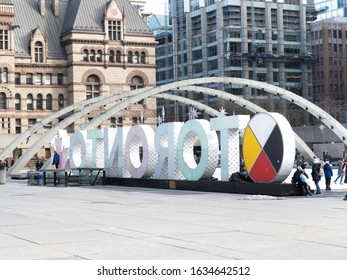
(123, 223)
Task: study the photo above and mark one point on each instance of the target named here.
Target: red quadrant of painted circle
(262, 170)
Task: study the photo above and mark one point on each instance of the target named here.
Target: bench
(86, 175)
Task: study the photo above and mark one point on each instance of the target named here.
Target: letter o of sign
(190, 132)
(140, 136)
(269, 148)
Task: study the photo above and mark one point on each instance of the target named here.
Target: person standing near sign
(340, 171)
(317, 173)
(328, 173)
(56, 159)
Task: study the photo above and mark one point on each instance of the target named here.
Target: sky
(155, 6)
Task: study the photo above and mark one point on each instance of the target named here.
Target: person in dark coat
(328, 173)
(56, 159)
(301, 182)
(37, 165)
(316, 174)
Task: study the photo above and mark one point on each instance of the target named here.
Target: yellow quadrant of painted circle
(251, 148)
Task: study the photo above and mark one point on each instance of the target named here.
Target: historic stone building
(55, 53)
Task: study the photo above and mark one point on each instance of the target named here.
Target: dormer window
(38, 52)
(38, 46)
(4, 39)
(115, 30)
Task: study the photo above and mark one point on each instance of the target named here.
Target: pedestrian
(6, 164)
(302, 183)
(41, 162)
(56, 159)
(12, 162)
(340, 171)
(317, 173)
(328, 173)
(345, 171)
(37, 164)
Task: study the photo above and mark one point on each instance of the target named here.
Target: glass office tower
(261, 40)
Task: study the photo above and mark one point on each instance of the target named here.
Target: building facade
(261, 40)
(55, 53)
(331, 8)
(139, 4)
(329, 41)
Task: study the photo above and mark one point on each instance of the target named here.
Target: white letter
(190, 132)
(140, 134)
(229, 128)
(166, 147)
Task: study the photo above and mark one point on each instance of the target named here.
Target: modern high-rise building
(331, 8)
(261, 40)
(55, 53)
(329, 39)
(139, 4)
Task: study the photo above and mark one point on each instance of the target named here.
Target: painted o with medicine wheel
(268, 148)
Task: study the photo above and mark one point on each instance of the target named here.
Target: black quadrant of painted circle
(274, 148)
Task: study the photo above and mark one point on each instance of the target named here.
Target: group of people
(6, 163)
(301, 178)
(39, 163)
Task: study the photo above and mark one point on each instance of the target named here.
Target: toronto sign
(268, 149)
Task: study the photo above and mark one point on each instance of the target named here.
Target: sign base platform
(240, 187)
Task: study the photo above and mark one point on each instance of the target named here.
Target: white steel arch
(324, 117)
(134, 97)
(75, 107)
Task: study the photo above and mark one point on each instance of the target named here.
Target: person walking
(56, 159)
(317, 173)
(340, 171)
(328, 173)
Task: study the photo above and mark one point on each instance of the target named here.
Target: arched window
(38, 52)
(4, 75)
(92, 56)
(92, 87)
(136, 82)
(111, 58)
(17, 101)
(143, 57)
(61, 101)
(118, 57)
(130, 57)
(39, 102)
(99, 56)
(136, 58)
(49, 102)
(30, 102)
(3, 100)
(85, 55)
